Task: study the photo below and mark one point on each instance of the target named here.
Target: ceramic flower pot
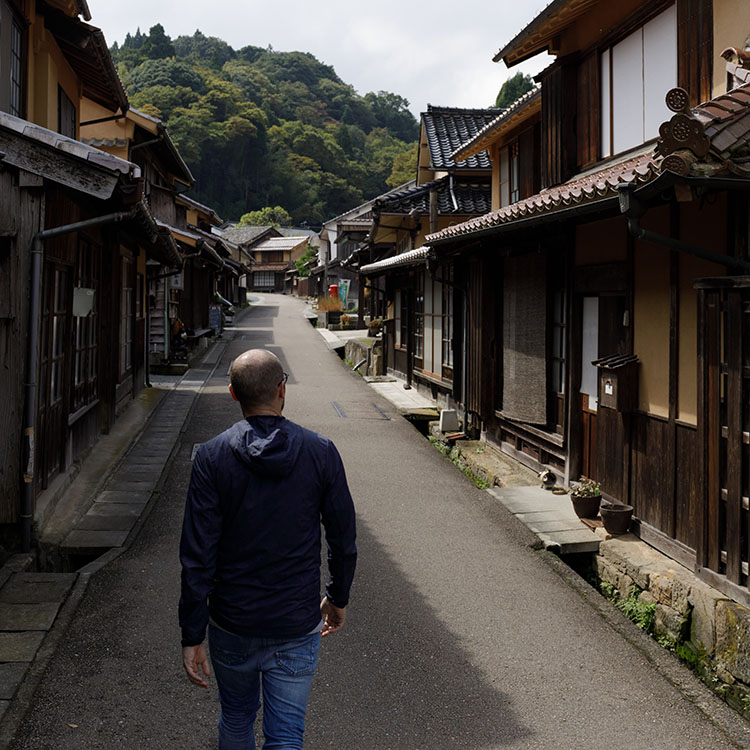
(586, 507)
(616, 517)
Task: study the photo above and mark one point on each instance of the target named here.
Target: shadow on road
(396, 677)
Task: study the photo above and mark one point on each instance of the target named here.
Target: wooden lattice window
(86, 329)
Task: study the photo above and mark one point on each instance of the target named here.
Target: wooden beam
(54, 164)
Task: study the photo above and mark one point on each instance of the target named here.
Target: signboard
(344, 290)
(83, 301)
(177, 281)
(214, 317)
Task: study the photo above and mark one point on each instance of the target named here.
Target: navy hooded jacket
(251, 542)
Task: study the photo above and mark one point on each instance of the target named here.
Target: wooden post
(733, 338)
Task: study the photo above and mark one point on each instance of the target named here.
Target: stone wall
(706, 628)
(370, 349)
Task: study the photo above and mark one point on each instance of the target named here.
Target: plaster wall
(48, 68)
(731, 29)
(122, 129)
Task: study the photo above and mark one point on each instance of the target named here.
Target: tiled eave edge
(525, 106)
(410, 257)
(590, 188)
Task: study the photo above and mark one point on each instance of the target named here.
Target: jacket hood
(268, 445)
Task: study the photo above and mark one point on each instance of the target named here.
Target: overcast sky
(438, 52)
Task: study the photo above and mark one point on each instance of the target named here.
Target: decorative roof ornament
(683, 133)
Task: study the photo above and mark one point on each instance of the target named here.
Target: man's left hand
(194, 659)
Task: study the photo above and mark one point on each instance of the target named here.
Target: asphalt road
(460, 635)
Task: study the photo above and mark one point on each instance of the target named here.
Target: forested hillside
(264, 128)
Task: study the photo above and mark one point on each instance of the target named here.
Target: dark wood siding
(588, 119)
(558, 129)
(482, 291)
(19, 219)
(695, 48)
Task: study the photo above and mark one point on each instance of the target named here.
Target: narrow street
(459, 634)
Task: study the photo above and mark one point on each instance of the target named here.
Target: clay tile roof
(447, 128)
(453, 197)
(597, 185)
(281, 243)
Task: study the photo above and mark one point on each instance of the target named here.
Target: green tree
(310, 254)
(268, 216)
(161, 101)
(404, 166)
(392, 111)
(514, 88)
(165, 73)
(157, 44)
(203, 50)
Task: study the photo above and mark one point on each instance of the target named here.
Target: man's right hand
(333, 617)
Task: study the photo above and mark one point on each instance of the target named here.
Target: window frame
(67, 116)
(13, 58)
(607, 80)
(262, 281)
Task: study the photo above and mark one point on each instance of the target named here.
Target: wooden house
(273, 257)
(604, 295)
(419, 305)
(69, 310)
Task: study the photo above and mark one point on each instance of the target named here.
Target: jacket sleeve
(201, 530)
(337, 514)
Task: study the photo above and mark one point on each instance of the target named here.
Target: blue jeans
(281, 669)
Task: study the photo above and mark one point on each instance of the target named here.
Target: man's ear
(231, 390)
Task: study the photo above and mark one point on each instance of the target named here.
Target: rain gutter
(632, 208)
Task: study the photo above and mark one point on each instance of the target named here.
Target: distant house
(340, 239)
(273, 257)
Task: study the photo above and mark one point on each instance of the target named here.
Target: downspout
(29, 415)
(634, 210)
(464, 361)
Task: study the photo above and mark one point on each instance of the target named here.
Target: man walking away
(250, 554)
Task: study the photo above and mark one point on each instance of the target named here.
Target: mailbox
(618, 382)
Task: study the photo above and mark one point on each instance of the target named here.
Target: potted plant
(586, 497)
(616, 517)
(374, 327)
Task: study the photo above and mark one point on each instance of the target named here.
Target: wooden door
(605, 333)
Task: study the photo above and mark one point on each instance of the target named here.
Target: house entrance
(605, 328)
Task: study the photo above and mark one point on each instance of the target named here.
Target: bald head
(255, 377)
